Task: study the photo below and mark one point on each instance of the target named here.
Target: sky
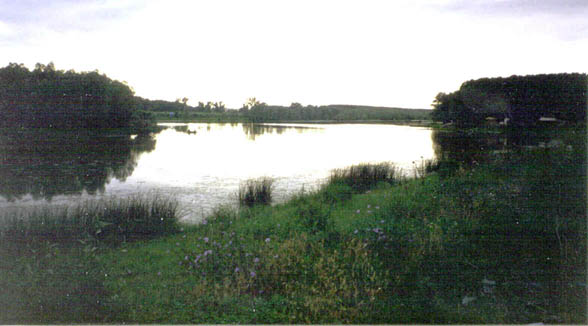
(315, 52)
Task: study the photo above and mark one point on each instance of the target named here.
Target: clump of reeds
(255, 192)
(364, 176)
(425, 167)
(113, 219)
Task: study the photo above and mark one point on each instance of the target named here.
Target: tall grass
(364, 176)
(110, 219)
(256, 192)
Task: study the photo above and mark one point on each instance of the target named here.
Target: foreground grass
(502, 241)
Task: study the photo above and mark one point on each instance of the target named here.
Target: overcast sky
(386, 53)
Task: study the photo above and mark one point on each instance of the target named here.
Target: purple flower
(207, 252)
(358, 211)
(267, 240)
(237, 269)
(382, 221)
(252, 274)
(158, 273)
(204, 222)
(186, 258)
(256, 260)
(369, 206)
(355, 232)
(377, 207)
(205, 239)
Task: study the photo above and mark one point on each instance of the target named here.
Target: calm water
(199, 164)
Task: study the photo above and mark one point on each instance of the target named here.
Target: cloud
(33, 18)
(564, 19)
(518, 7)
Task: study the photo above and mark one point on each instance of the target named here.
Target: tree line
(523, 100)
(257, 111)
(47, 97)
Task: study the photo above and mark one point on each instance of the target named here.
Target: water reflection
(466, 147)
(252, 130)
(199, 164)
(47, 163)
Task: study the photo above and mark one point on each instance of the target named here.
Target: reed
(364, 176)
(112, 219)
(256, 192)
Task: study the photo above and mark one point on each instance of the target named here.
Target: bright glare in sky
(382, 53)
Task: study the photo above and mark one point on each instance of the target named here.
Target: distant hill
(336, 112)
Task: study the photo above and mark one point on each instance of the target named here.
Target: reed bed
(112, 219)
(362, 177)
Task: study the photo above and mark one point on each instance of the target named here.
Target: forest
(47, 97)
(523, 100)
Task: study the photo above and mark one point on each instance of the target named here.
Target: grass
(255, 192)
(113, 220)
(364, 176)
(503, 241)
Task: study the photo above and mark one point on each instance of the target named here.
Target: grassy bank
(500, 241)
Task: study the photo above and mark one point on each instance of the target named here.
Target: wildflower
(276, 256)
(256, 260)
(267, 240)
(237, 269)
(177, 243)
(205, 239)
(186, 258)
(158, 273)
(252, 274)
(382, 221)
(207, 252)
(355, 232)
(278, 224)
(358, 211)
(369, 206)
(204, 222)
(377, 207)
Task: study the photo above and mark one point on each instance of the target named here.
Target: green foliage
(255, 192)
(261, 112)
(501, 241)
(364, 176)
(112, 221)
(522, 99)
(46, 97)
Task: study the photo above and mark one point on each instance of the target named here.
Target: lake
(199, 164)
